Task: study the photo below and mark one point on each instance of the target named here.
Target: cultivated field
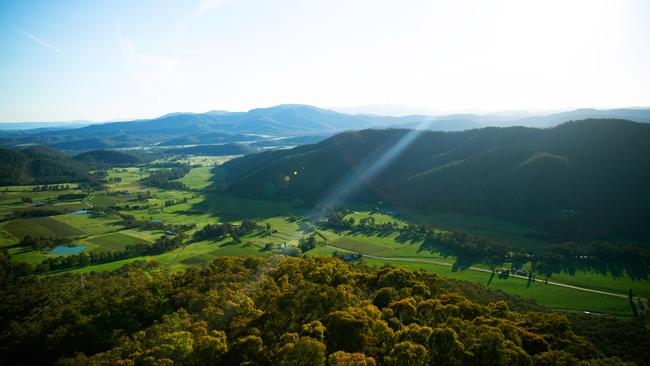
(105, 232)
(115, 242)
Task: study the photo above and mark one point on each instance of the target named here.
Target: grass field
(238, 208)
(40, 227)
(363, 211)
(5, 237)
(12, 201)
(204, 160)
(358, 246)
(197, 178)
(115, 242)
(106, 233)
(552, 296)
(28, 255)
(515, 235)
(92, 224)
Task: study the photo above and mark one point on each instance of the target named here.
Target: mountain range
(270, 127)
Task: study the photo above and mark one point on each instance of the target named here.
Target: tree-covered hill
(264, 124)
(41, 165)
(111, 157)
(584, 178)
(279, 310)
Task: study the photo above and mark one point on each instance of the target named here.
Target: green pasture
(604, 282)
(58, 208)
(207, 161)
(91, 223)
(551, 296)
(11, 202)
(233, 208)
(197, 178)
(515, 235)
(129, 178)
(29, 188)
(147, 235)
(103, 232)
(354, 245)
(27, 255)
(40, 227)
(380, 218)
(115, 242)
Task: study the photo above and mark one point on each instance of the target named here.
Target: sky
(111, 60)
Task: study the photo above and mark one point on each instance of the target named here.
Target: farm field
(40, 227)
(106, 233)
(19, 200)
(516, 235)
(554, 297)
(30, 188)
(91, 223)
(359, 246)
(237, 208)
(206, 161)
(115, 242)
(197, 178)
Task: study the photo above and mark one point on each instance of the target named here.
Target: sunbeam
(368, 169)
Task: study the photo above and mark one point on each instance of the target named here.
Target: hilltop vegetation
(286, 311)
(160, 219)
(584, 179)
(41, 165)
(109, 157)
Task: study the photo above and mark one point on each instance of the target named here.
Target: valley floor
(104, 232)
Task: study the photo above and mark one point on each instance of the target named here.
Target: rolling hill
(111, 157)
(584, 178)
(40, 165)
(261, 125)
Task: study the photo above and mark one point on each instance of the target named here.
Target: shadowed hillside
(40, 165)
(585, 178)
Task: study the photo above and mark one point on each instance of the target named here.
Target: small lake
(64, 249)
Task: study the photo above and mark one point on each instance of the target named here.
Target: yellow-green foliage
(285, 311)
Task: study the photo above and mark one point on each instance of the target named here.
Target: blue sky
(103, 60)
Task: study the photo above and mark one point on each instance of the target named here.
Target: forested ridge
(41, 165)
(109, 157)
(583, 179)
(287, 311)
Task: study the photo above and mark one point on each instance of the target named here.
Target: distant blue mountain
(286, 120)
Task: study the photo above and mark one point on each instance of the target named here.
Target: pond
(64, 249)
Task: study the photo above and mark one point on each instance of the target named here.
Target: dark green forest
(41, 165)
(110, 157)
(290, 311)
(584, 179)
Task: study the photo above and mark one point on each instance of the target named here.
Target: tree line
(161, 245)
(600, 256)
(164, 178)
(220, 230)
(131, 222)
(289, 311)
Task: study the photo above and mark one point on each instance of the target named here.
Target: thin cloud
(146, 70)
(200, 9)
(38, 40)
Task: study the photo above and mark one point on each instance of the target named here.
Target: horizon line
(468, 111)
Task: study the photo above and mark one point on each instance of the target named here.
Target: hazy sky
(100, 60)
